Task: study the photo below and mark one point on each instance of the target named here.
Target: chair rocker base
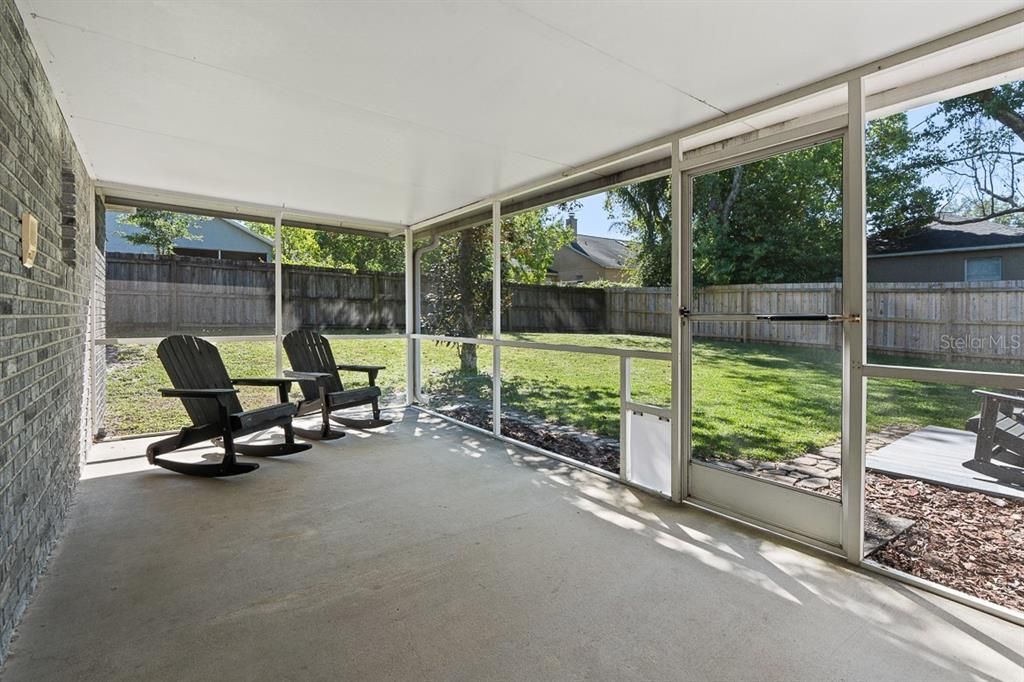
(318, 434)
(1004, 474)
(271, 449)
(361, 423)
(207, 469)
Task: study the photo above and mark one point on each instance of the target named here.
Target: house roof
(115, 225)
(605, 251)
(953, 237)
(238, 224)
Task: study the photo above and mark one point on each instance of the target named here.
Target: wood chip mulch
(968, 541)
(566, 441)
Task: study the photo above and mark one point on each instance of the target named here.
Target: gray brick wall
(43, 320)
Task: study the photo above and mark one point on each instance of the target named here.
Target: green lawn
(752, 400)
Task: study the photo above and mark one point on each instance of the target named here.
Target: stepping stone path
(813, 470)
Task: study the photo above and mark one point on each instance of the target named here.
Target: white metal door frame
(806, 516)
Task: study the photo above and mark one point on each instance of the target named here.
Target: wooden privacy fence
(967, 320)
(159, 295)
(541, 307)
(154, 296)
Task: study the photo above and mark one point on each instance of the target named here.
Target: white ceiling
(399, 111)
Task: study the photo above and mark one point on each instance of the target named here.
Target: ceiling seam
(609, 55)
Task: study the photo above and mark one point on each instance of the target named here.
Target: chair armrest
(218, 394)
(371, 371)
(263, 381)
(307, 376)
(283, 385)
(1017, 399)
(361, 368)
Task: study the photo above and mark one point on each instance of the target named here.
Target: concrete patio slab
(425, 551)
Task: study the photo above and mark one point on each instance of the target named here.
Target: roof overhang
(960, 249)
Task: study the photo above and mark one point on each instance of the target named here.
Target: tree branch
(734, 193)
(1000, 112)
(990, 216)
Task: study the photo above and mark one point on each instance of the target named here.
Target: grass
(757, 401)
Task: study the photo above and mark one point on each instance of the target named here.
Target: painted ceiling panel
(399, 111)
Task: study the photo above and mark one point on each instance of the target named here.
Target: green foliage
(352, 253)
(598, 284)
(160, 229)
(645, 209)
(528, 245)
(778, 219)
(457, 275)
(775, 220)
(898, 201)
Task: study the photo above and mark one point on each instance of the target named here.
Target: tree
(778, 219)
(774, 220)
(457, 274)
(975, 143)
(645, 209)
(354, 253)
(899, 203)
(160, 229)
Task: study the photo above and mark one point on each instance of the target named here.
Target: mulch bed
(968, 541)
(566, 441)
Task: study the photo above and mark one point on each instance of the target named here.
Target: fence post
(946, 314)
(172, 277)
(375, 312)
(746, 309)
(606, 326)
(836, 330)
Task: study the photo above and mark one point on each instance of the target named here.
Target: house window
(983, 269)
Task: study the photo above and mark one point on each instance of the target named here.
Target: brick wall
(43, 319)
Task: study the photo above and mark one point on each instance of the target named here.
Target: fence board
(158, 295)
(151, 296)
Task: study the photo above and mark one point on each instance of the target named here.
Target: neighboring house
(588, 258)
(966, 252)
(220, 238)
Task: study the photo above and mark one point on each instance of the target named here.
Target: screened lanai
(769, 437)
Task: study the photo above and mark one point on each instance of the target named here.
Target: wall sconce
(29, 239)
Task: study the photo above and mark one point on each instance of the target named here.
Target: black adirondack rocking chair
(314, 367)
(209, 395)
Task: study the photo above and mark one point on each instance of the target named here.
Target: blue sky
(593, 219)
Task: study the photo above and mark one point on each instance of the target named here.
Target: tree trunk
(467, 352)
(467, 358)
(1001, 112)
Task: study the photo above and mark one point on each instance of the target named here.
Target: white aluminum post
(854, 304)
(278, 302)
(680, 231)
(625, 397)
(496, 319)
(411, 356)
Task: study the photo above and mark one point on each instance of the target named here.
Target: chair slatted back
(191, 362)
(309, 352)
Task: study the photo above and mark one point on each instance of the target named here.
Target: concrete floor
(427, 552)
